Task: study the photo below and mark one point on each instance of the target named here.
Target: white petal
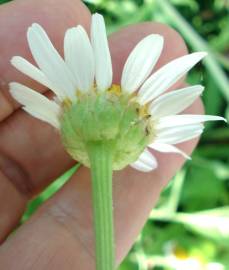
(141, 62)
(33, 72)
(166, 76)
(146, 162)
(50, 62)
(167, 148)
(79, 57)
(179, 134)
(186, 119)
(36, 104)
(30, 70)
(175, 101)
(103, 65)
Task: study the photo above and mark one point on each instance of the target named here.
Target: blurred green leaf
(216, 151)
(212, 97)
(202, 188)
(4, 1)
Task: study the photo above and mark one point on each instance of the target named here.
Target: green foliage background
(189, 229)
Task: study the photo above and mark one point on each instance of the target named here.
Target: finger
(31, 154)
(66, 219)
(12, 205)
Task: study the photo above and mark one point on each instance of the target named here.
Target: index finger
(16, 184)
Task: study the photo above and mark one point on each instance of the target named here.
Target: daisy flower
(86, 72)
(106, 126)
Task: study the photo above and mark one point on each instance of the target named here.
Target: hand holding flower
(74, 199)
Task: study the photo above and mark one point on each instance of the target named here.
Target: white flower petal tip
(223, 119)
(167, 148)
(36, 104)
(186, 119)
(175, 102)
(141, 61)
(175, 135)
(50, 62)
(202, 54)
(103, 64)
(14, 60)
(30, 70)
(146, 162)
(166, 76)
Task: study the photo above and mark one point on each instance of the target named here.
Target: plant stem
(175, 194)
(198, 43)
(100, 155)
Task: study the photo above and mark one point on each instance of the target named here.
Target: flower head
(130, 117)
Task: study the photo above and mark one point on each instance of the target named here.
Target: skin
(60, 234)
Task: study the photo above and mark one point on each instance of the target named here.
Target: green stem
(176, 192)
(100, 156)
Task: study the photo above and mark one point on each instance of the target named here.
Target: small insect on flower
(88, 108)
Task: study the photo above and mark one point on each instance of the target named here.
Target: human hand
(60, 234)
